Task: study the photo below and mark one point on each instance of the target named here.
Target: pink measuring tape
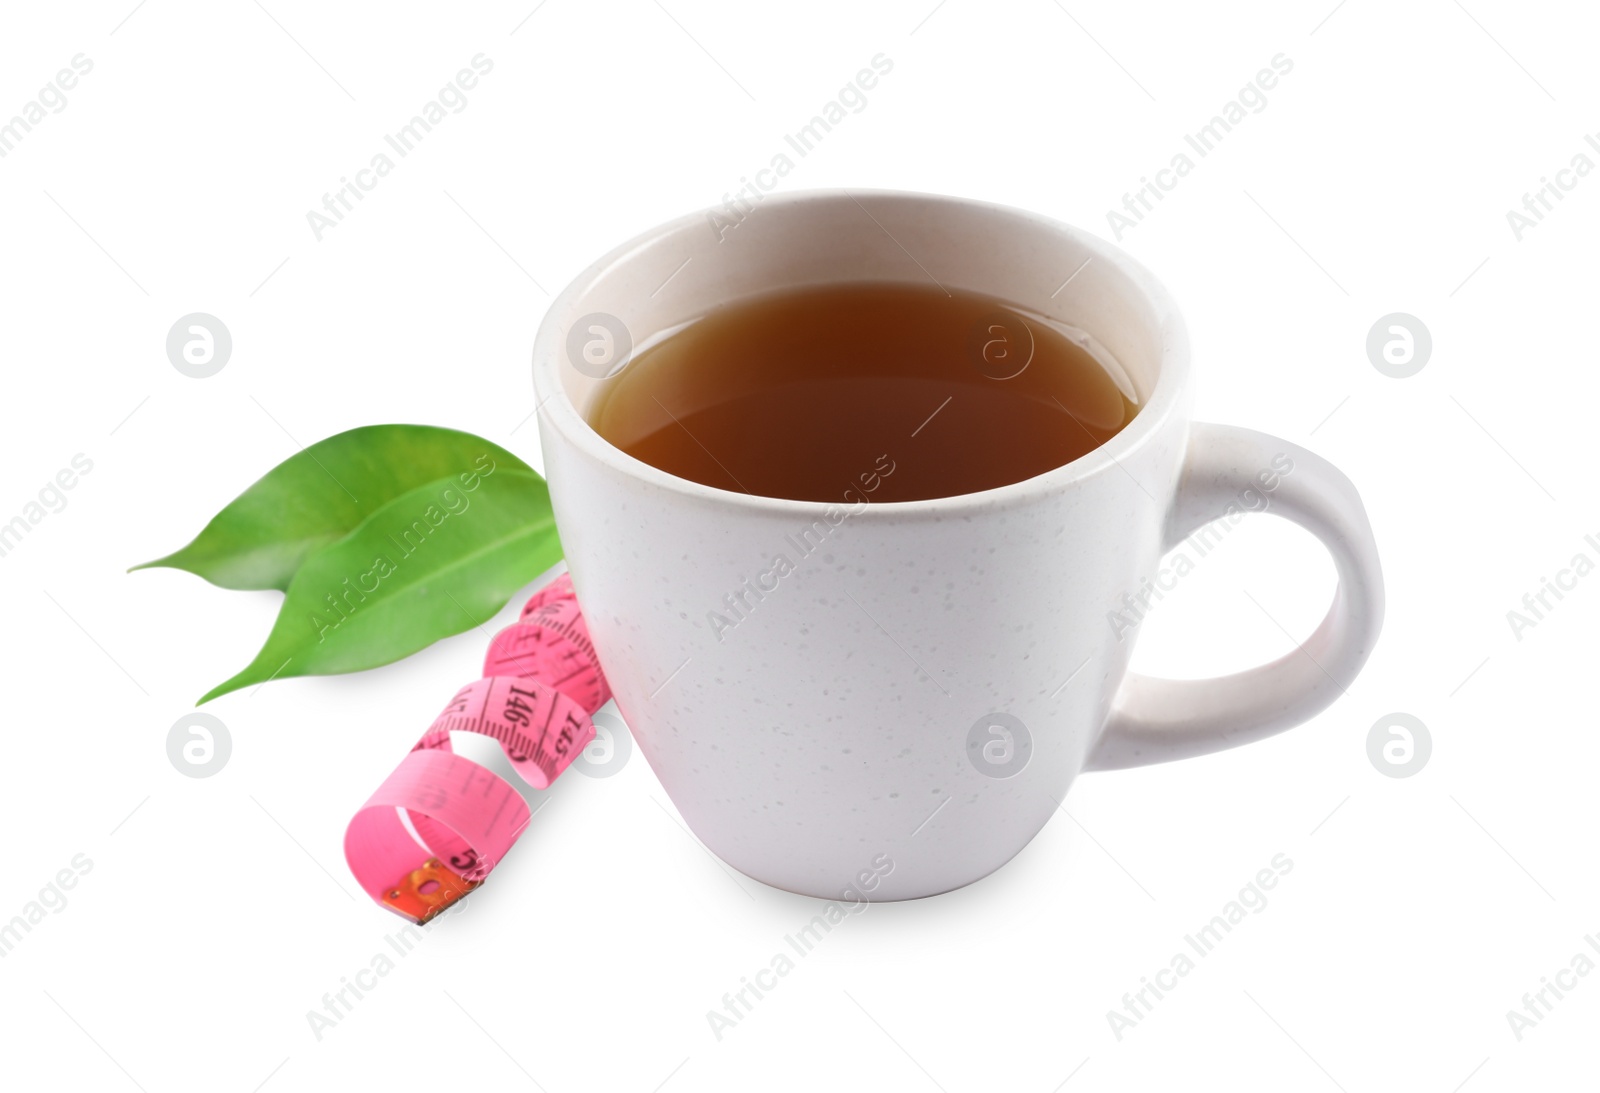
(437, 826)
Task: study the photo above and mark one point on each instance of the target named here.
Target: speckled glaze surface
(911, 694)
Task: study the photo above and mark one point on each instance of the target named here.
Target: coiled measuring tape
(440, 823)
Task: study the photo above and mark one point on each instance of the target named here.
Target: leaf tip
(225, 687)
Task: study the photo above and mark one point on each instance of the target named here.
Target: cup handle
(1227, 471)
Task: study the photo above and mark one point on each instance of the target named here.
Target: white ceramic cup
(898, 710)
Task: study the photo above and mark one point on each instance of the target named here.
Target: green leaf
(433, 562)
(321, 494)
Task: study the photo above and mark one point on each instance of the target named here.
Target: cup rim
(556, 411)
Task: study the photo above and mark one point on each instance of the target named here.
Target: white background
(1377, 179)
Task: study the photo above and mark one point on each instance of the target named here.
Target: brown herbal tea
(897, 391)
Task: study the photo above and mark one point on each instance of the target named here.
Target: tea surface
(812, 392)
